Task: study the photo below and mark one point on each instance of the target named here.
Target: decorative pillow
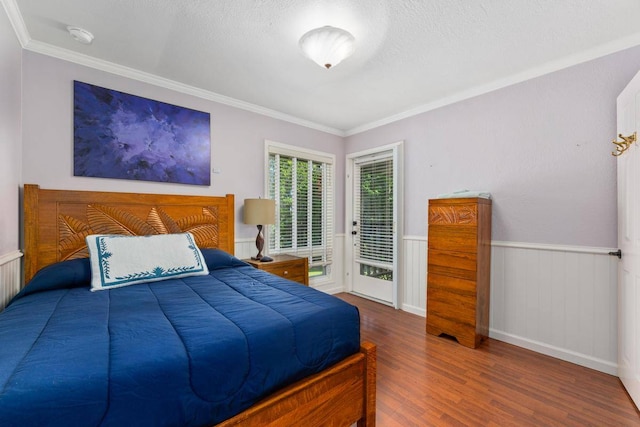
(118, 261)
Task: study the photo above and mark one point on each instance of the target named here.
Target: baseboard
(414, 310)
(558, 353)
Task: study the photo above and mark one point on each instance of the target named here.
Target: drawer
(454, 307)
(455, 264)
(463, 238)
(285, 269)
(461, 260)
(453, 214)
(286, 266)
(452, 284)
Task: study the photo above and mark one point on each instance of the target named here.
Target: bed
(232, 346)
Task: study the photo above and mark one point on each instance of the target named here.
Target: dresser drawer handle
(285, 272)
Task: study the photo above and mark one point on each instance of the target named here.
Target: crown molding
(549, 67)
(15, 17)
(130, 73)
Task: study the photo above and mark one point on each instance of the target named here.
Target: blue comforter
(191, 351)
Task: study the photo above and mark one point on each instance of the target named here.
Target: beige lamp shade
(259, 211)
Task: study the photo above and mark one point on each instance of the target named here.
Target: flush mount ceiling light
(80, 35)
(327, 46)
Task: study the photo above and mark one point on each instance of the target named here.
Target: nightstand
(287, 266)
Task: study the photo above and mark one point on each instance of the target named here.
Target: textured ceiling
(410, 55)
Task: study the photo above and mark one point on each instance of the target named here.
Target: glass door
(374, 225)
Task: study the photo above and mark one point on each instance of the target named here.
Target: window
(301, 183)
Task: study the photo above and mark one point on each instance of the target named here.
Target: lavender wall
(541, 147)
(237, 137)
(10, 108)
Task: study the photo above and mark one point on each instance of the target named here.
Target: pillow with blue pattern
(118, 261)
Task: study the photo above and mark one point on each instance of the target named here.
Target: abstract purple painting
(117, 135)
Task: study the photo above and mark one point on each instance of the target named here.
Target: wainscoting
(556, 300)
(560, 301)
(245, 248)
(10, 277)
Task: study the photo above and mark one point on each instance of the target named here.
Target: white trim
(537, 246)
(541, 70)
(15, 17)
(130, 73)
(375, 150)
(295, 151)
(416, 238)
(419, 311)
(10, 277)
(369, 297)
(11, 256)
(245, 240)
(557, 352)
(19, 26)
(374, 157)
(552, 247)
(397, 153)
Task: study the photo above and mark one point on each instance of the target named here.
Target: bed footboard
(338, 396)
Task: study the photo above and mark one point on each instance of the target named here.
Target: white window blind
(302, 186)
(374, 202)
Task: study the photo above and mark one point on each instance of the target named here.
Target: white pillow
(118, 261)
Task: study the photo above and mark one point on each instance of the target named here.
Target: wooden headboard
(56, 222)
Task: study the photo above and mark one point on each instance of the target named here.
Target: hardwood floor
(425, 380)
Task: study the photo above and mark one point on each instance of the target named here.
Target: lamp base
(262, 259)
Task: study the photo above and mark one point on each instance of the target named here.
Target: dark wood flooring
(425, 380)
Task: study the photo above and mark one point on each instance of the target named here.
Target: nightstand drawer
(286, 266)
(285, 269)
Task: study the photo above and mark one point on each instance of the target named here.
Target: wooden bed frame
(56, 223)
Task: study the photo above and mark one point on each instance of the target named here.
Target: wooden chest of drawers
(458, 269)
(287, 266)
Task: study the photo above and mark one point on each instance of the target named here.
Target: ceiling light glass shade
(327, 46)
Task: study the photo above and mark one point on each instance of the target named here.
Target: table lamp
(260, 212)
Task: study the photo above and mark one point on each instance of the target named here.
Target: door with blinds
(375, 200)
